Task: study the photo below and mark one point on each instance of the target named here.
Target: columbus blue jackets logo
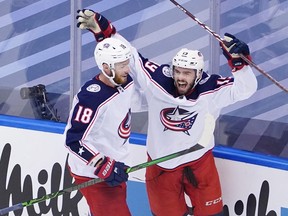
(177, 119)
(167, 71)
(124, 128)
(93, 88)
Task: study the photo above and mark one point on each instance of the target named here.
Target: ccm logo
(107, 168)
(213, 202)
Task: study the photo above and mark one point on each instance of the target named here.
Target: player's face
(184, 79)
(122, 70)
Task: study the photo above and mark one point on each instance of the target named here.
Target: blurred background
(44, 58)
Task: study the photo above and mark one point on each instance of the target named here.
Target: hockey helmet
(111, 51)
(191, 59)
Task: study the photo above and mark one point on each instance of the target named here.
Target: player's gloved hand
(231, 48)
(96, 23)
(113, 172)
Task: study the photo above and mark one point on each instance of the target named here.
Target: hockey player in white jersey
(98, 129)
(179, 97)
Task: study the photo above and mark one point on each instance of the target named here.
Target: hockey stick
(217, 36)
(204, 141)
(98, 180)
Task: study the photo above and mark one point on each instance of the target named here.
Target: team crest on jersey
(93, 88)
(124, 128)
(166, 71)
(177, 119)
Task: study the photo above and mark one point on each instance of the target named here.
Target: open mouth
(181, 85)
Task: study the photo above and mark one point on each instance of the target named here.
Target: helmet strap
(198, 77)
(111, 78)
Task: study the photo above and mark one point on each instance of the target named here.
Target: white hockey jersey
(176, 123)
(100, 122)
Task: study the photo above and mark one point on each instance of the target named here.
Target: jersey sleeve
(142, 69)
(85, 111)
(229, 90)
(138, 101)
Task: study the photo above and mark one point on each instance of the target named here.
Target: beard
(183, 87)
(120, 80)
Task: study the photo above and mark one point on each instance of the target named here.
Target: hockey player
(179, 97)
(98, 129)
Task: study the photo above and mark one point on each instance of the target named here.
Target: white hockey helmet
(191, 59)
(111, 51)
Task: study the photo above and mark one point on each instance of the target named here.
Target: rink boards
(33, 163)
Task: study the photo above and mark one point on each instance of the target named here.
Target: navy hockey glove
(113, 172)
(95, 23)
(231, 48)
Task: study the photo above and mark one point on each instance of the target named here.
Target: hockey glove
(113, 172)
(231, 48)
(95, 23)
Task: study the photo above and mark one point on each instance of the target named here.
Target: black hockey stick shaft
(204, 140)
(217, 36)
